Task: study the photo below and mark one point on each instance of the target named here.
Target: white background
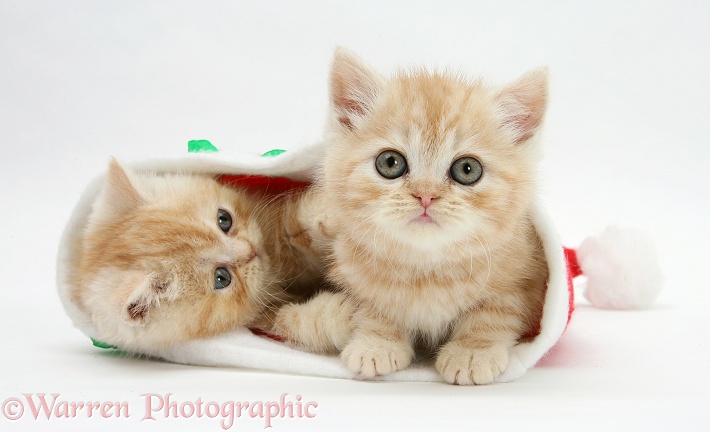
(627, 141)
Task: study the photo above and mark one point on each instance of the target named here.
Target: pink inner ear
(137, 310)
(345, 121)
(526, 114)
(141, 295)
(526, 124)
(346, 105)
(349, 107)
(353, 87)
(525, 103)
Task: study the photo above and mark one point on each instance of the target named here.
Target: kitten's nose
(252, 253)
(426, 199)
(246, 254)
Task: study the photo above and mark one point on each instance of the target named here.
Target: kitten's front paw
(465, 365)
(287, 322)
(322, 325)
(374, 356)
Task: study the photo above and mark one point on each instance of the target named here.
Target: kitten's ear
(145, 294)
(524, 103)
(118, 194)
(353, 87)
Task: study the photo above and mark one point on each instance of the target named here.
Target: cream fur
(469, 278)
(144, 266)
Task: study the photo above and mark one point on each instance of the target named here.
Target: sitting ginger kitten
(431, 179)
(169, 258)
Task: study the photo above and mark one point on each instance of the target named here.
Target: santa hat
(620, 267)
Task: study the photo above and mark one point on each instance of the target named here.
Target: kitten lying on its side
(431, 179)
(169, 258)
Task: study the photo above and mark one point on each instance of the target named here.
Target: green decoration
(200, 146)
(274, 152)
(104, 345)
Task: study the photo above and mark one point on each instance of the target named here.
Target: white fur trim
(556, 310)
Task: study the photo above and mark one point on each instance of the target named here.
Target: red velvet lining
(266, 185)
(573, 270)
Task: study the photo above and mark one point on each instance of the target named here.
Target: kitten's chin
(425, 233)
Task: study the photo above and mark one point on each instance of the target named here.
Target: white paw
(465, 365)
(374, 356)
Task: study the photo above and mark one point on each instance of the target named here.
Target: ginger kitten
(169, 258)
(431, 181)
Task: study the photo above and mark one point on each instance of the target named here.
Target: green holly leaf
(274, 152)
(200, 146)
(104, 345)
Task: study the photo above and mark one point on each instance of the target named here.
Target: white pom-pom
(622, 269)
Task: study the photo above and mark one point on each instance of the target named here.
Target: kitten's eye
(224, 220)
(466, 170)
(391, 164)
(222, 278)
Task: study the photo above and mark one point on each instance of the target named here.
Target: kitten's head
(169, 258)
(429, 159)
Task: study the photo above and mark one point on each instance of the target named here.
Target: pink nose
(247, 255)
(426, 200)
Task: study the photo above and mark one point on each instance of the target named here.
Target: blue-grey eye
(224, 220)
(222, 278)
(466, 170)
(391, 164)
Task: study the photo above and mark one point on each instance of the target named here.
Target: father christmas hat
(620, 268)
